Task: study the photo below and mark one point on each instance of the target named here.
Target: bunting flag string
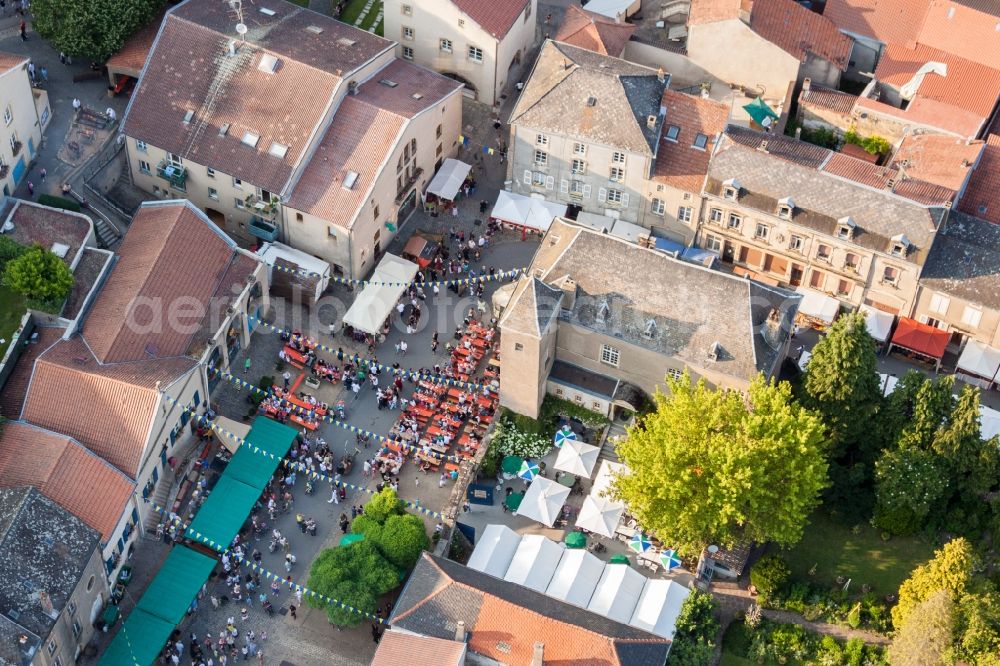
(472, 279)
(242, 383)
(300, 466)
(357, 360)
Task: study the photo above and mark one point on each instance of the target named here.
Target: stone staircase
(608, 445)
(161, 498)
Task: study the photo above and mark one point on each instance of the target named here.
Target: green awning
(513, 501)
(139, 641)
(576, 540)
(254, 468)
(176, 584)
(760, 112)
(223, 513)
(353, 537)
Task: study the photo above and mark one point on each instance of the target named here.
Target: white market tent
(576, 577)
(379, 297)
(605, 475)
(447, 182)
(600, 515)
(633, 233)
(989, 422)
(617, 10)
(817, 305)
(804, 360)
(979, 361)
(577, 457)
(495, 550)
(527, 212)
(887, 382)
(226, 425)
(535, 562)
(658, 607)
(879, 323)
(543, 501)
(617, 593)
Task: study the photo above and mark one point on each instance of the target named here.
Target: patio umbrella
(543, 501)
(639, 543)
(576, 540)
(513, 501)
(511, 464)
(528, 471)
(564, 435)
(577, 458)
(600, 515)
(669, 559)
(620, 558)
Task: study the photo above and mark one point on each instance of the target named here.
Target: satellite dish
(241, 29)
(712, 550)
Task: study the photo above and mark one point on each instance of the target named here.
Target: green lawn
(352, 11)
(864, 557)
(735, 644)
(12, 308)
(300, 3)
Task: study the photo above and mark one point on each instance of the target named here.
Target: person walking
(24, 31)
(287, 377)
(44, 72)
(246, 366)
(291, 611)
(31, 188)
(43, 173)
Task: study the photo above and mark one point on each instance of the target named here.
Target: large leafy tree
(355, 576)
(714, 466)
(38, 274)
(92, 29)
(399, 536)
(910, 485)
(926, 636)
(950, 570)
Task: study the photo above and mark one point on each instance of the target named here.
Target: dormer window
(845, 228)
(603, 311)
(785, 208)
(899, 245)
(650, 331)
(731, 189)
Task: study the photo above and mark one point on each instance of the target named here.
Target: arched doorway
(470, 89)
(217, 217)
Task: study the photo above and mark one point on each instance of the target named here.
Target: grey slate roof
(821, 198)
(555, 98)
(965, 261)
(592, 382)
(44, 550)
(622, 288)
(439, 593)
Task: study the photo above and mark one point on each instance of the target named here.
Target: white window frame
(537, 179)
(734, 221)
(796, 243)
(541, 139)
(610, 355)
(819, 252)
(890, 275)
(210, 172)
(684, 213)
(618, 157)
(616, 197)
(716, 215)
(541, 158)
(240, 203)
(406, 10)
(971, 316)
(475, 54)
(616, 174)
(672, 133)
(579, 167)
(579, 149)
(408, 33)
(939, 304)
(577, 188)
(657, 206)
(761, 231)
(144, 167)
(713, 243)
(237, 183)
(407, 53)
(674, 373)
(446, 45)
(141, 146)
(213, 194)
(8, 115)
(702, 139)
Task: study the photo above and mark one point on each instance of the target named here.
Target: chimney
(798, 133)
(763, 146)
(661, 76)
(46, 604)
(806, 82)
(537, 654)
(460, 631)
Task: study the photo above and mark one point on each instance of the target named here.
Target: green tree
(384, 504)
(695, 631)
(355, 575)
(972, 461)
(713, 466)
(92, 29)
(768, 575)
(933, 404)
(925, 637)
(950, 570)
(910, 484)
(39, 275)
(400, 537)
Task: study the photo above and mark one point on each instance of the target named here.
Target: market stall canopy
(576, 577)
(220, 518)
(152, 630)
(617, 10)
(534, 562)
(376, 302)
(447, 182)
(879, 323)
(979, 360)
(617, 593)
(818, 306)
(241, 430)
(272, 440)
(920, 338)
(761, 113)
(989, 422)
(543, 501)
(577, 457)
(527, 212)
(176, 584)
(600, 515)
(420, 250)
(495, 550)
(633, 233)
(659, 605)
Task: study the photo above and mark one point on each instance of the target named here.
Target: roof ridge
(430, 596)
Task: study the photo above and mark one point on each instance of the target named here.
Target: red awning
(920, 338)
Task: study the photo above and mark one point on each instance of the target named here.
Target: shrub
(768, 575)
(10, 250)
(39, 275)
(59, 202)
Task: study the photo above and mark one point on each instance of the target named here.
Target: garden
(364, 14)
(759, 641)
(30, 277)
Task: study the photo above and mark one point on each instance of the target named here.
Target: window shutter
(586, 191)
(601, 194)
(527, 178)
(624, 199)
(563, 186)
(550, 182)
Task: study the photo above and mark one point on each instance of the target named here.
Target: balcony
(265, 210)
(174, 174)
(16, 148)
(263, 229)
(408, 185)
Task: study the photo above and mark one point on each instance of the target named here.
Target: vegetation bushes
(873, 145)
(773, 643)
(59, 202)
(94, 29)
(768, 575)
(40, 276)
(695, 630)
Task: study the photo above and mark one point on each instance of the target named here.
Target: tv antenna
(237, 8)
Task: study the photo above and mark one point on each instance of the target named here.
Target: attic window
(224, 129)
(714, 351)
(591, 101)
(602, 312)
(650, 332)
(785, 208)
(187, 117)
(731, 189)
(673, 132)
(388, 82)
(267, 12)
(417, 96)
(700, 141)
(315, 29)
(279, 150)
(268, 63)
(250, 139)
(350, 179)
(845, 228)
(900, 245)
(344, 41)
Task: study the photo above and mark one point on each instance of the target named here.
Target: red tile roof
(888, 21)
(15, 390)
(121, 400)
(710, 11)
(132, 55)
(171, 257)
(9, 61)
(678, 163)
(982, 196)
(400, 647)
(827, 98)
(965, 29)
(66, 472)
(879, 177)
(189, 70)
(937, 159)
(494, 16)
(594, 32)
(797, 30)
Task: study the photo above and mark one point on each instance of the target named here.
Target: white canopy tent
(376, 302)
(887, 382)
(617, 593)
(226, 425)
(879, 323)
(600, 515)
(447, 182)
(659, 605)
(599, 223)
(535, 562)
(804, 360)
(528, 212)
(819, 306)
(605, 475)
(495, 550)
(989, 422)
(543, 501)
(577, 457)
(979, 361)
(576, 577)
